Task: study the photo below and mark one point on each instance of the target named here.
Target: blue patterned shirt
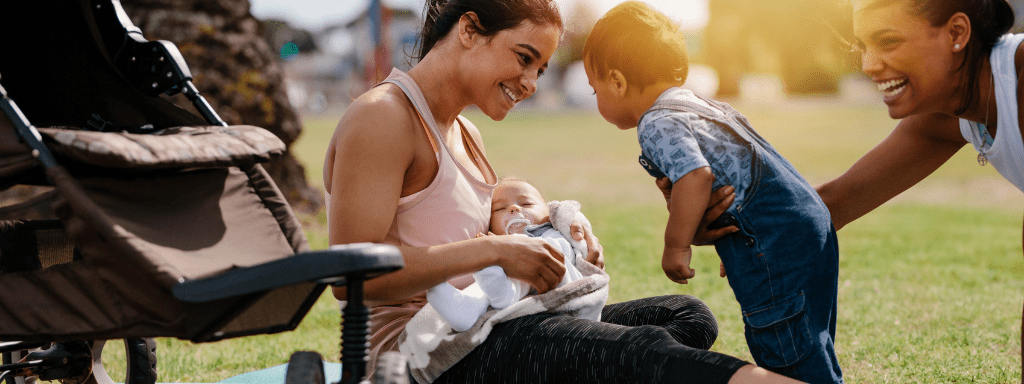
(680, 142)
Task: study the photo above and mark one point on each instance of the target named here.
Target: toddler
(517, 208)
(782, 263)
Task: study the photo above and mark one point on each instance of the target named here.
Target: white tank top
(1006, 152)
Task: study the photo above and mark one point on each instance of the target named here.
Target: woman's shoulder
(1018, 58)
(381, 106)
(936, 127)
(381, 119)
(382, 102)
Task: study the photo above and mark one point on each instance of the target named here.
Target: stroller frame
(156, 67)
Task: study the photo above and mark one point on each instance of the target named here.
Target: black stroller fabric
(58, 68)
(128, 233)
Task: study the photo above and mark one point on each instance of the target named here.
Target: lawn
(930, 284)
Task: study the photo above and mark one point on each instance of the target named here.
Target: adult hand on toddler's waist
(720, 201)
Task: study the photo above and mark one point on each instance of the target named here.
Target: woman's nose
(870, 62)
(529, 81)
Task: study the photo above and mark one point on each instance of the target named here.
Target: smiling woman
(948, 69)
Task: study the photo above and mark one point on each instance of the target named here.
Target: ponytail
(440, 16)
(990, 20)
(436, 24)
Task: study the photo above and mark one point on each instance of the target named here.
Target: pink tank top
(455, 206)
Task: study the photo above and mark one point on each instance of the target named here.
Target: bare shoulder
(935, 127)
(383, 106)
(379, 121)
(1018, 59)
(382, 115)
(474, 132)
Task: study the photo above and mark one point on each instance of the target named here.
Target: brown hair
(613, 44)
(440, 16)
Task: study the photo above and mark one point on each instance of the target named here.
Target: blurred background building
(755, 51)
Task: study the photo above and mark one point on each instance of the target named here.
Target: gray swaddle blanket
(431, 346)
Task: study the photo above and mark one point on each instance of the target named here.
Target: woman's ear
(469, 28)
(618, 82)
(959, 29)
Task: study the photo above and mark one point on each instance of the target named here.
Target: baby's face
(514, 204)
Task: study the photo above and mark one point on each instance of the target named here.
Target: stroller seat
(163, 226)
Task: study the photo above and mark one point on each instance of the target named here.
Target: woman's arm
(918, 146)
(529, 259)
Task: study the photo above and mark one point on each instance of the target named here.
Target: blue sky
(315, 14)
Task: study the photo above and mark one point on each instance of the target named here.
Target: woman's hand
(530, 259)
(595, 253)
(719, 202)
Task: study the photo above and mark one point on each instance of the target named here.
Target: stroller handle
(326, 266)
(26, 131)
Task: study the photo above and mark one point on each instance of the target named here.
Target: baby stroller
(152, 221)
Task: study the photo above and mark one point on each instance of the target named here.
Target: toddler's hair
(642, 43)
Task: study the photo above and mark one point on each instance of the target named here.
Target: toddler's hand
(676, 264)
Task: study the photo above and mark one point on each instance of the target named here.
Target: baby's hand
(676, 264)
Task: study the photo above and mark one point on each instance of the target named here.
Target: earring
(956, 46)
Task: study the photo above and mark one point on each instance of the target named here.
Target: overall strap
(727, 117)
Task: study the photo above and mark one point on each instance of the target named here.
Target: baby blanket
(431, 346)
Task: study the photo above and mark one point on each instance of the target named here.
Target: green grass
(930, 284)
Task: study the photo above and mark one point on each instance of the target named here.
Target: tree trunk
(237, 73)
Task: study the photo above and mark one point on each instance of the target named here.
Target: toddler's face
(515, 204)
(609, 103)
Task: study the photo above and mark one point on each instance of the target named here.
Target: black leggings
(654, 340)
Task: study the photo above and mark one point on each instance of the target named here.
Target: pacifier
(516, 225)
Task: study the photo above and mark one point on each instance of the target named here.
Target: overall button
(749, 241)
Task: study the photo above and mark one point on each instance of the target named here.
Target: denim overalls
(783, 264)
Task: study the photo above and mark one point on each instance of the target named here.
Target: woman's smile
(893, 88)
(511, 95)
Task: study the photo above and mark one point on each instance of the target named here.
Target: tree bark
(237, 73)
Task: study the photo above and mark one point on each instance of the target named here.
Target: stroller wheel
(391, 369)
(140, 364)
(305, 367)
(141, 360)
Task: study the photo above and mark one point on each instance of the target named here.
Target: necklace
(982, 160)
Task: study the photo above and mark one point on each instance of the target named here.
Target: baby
(517, 208)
